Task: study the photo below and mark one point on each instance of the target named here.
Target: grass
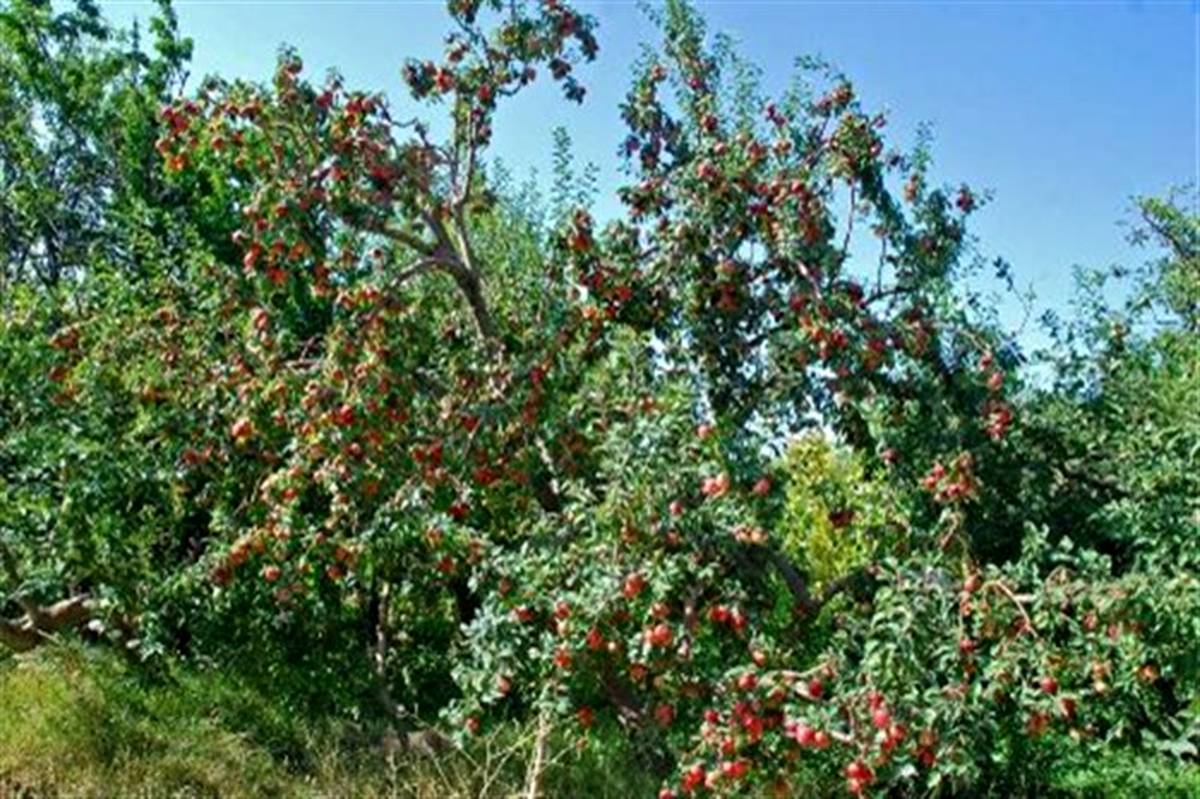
(77, 723)
(1122, 774)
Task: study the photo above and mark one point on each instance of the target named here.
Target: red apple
(242, 429)
(660, 635)
(633, 585)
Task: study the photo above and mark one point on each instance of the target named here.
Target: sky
(1064, 109)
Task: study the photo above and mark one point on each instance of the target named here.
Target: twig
(533, 788)
(1006, 591)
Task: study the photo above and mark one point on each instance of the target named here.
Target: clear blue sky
(1064, 109)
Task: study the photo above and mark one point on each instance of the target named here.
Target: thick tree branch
(421, 267)
(378, 615)
(459, 263)
(795, 582)
(447, 256)
(546, 485)
(806, 602)
(472, 288)
(537, 767)
(629, 709)
(468, 172)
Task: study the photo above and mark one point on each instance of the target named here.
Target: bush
(836, 517)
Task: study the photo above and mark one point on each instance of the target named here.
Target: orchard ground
(80, 724)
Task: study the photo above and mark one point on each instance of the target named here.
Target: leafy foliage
(836, 518)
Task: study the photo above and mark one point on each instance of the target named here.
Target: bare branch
(849, 222)
(891, 291)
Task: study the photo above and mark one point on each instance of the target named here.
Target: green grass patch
(80, 723)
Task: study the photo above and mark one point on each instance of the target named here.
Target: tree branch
(472, 288)
(400, 236)
(808, 604)
(795, 582)
(460, 265)
(628, 708)
(424, 739)
(29, 631)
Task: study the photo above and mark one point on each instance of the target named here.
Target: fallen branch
(41, 623)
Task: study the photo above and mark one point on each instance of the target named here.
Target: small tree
(405, 434)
